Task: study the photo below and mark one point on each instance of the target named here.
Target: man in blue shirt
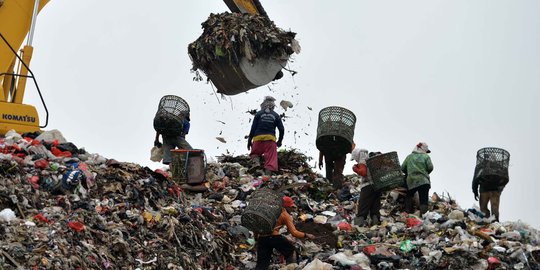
(262, 137)
(171, 142)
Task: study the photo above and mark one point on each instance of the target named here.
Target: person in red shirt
(267, 243)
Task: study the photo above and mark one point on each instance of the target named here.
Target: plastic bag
(156, 154)
(317, 265)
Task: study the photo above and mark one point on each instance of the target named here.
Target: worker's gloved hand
(476, 196)
(157, 144)
(278, 143)
(249, 144)
(310, 236)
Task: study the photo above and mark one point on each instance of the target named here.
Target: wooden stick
(11, 259)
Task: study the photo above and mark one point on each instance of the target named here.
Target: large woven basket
(262, 212)
(385, 171)
(170, 114)
(335, 130)
(174, 105)
(492, 161)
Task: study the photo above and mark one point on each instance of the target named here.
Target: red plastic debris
(493, 263)
(34, 180)
(76, 226)
(59, 153)
(41, 164)
(344, 226)
(369, 249)
(82, 166)
(413, 222)
(174, 191)
(41, 217)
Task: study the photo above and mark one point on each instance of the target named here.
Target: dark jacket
(265, 123)
(479, 180)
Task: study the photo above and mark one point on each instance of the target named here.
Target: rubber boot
(423, 209)
(360, 221)
(375, 220)
(408, 205)
(256, 161)
(267, 172)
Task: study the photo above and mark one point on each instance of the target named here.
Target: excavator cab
(17, 23)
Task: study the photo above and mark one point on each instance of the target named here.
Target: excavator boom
(246, 6)
(17, 20)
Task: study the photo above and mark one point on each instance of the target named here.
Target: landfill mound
(232, 36)
(64, 208)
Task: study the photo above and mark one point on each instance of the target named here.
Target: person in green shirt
(417, 167)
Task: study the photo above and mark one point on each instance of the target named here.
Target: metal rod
(33, 24)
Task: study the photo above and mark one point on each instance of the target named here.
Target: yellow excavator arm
(17, 22)
(246, 6)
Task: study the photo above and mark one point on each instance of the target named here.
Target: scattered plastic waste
(85, 211)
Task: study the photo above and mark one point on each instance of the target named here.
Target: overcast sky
(459, 75)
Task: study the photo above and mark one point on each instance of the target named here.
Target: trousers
(170, 143)
(268, 150)
(490, 196)
(265, 247)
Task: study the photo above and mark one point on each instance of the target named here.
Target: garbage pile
(232, 36)
(64, 208)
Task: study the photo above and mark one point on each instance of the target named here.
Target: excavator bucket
(234, 78)
(246, 6)
(231, 79)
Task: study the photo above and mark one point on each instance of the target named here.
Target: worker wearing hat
(417, 167)
(369, 202)
(262, 140)
(267, 243)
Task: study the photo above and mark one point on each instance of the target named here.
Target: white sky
(459, 75)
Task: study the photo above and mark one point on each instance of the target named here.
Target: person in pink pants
(262, 138)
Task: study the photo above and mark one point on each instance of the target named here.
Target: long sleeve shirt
(417, 166)
(285, 219)
(265, 123)
(480, 181)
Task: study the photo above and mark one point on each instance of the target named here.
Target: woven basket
(491, 161)
(174, 105)
(263, 211)
(170, 115)
(188, 166)
(335, 130)
(385, 171)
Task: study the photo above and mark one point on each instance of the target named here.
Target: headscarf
(268, 104)
(422, 147)
(359, 155)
